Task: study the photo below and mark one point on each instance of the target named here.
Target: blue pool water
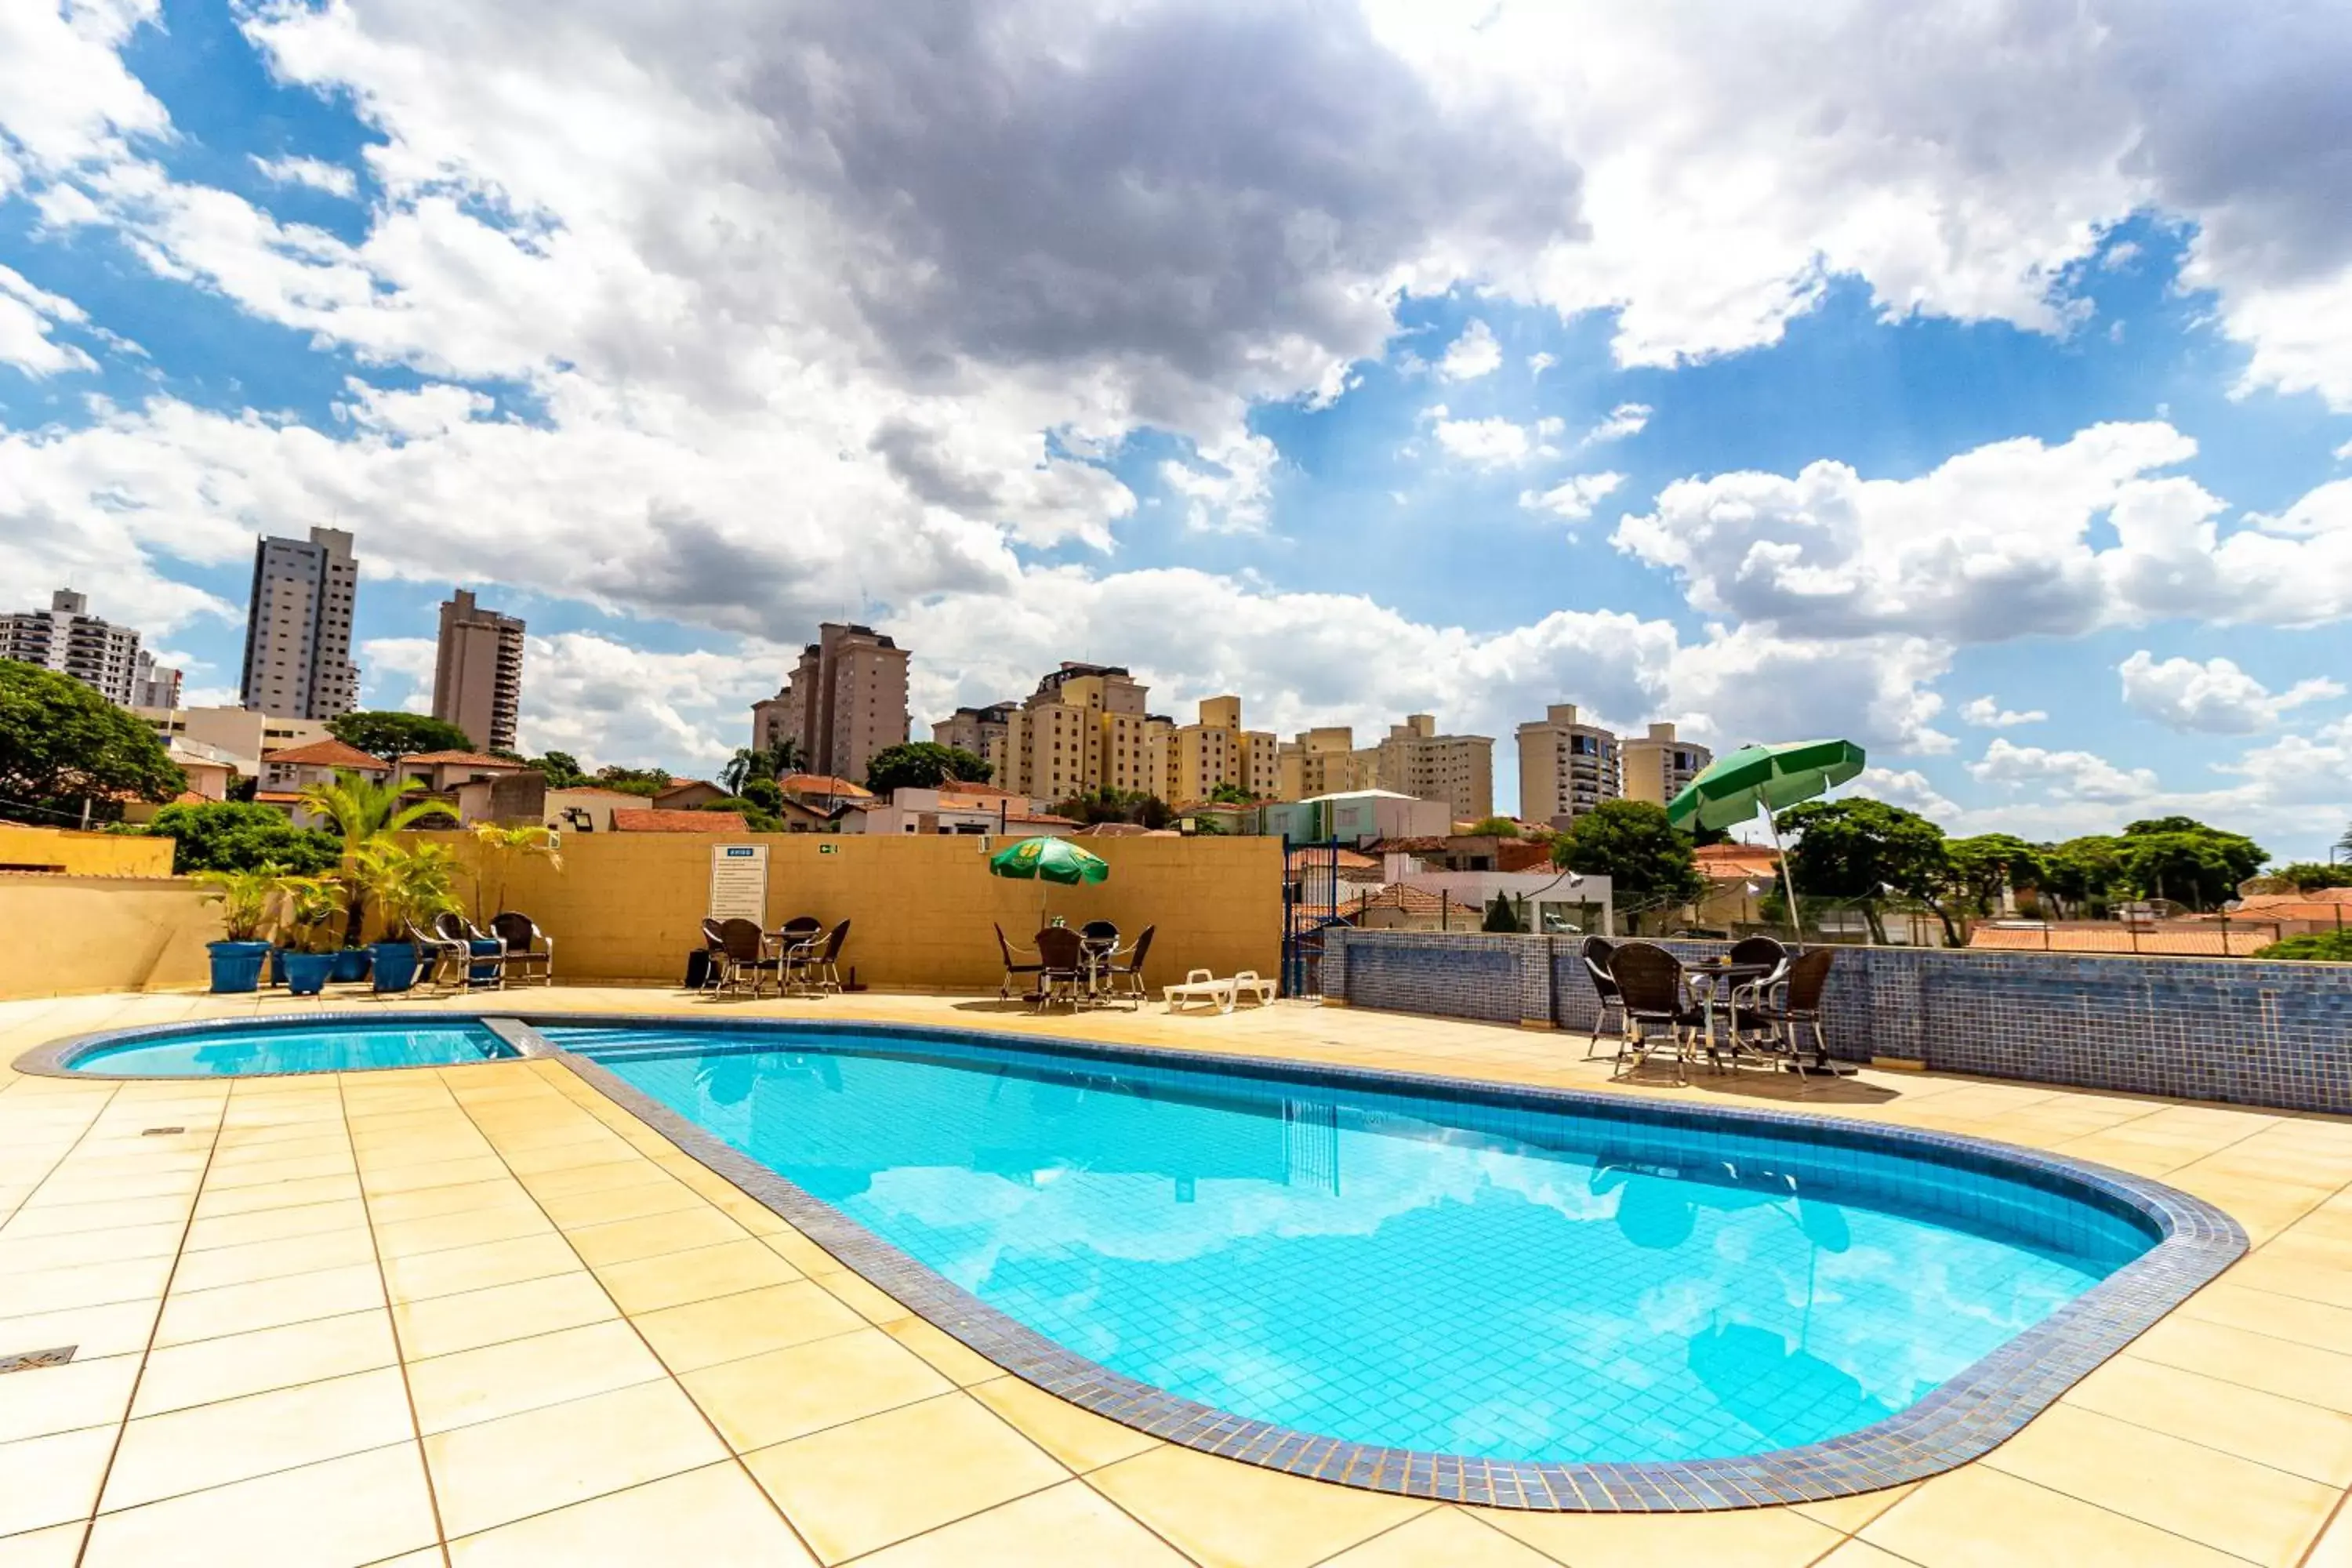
(1391, 1269)
(231, 1052)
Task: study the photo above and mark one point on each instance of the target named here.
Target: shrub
(2317, 947)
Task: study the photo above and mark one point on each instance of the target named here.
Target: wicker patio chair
(530, 952)
(1655, 996)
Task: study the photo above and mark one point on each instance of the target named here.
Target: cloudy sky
(1973, 381)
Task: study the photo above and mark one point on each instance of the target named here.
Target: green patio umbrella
(1048, 860)
(1765, 779)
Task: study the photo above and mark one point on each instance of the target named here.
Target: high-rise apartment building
(1326, 761)
(1566, 766)
(1084, 729)
(67, 638)
(477, 671)
(1658, 767)
(153, 685)
(297, 627)
(1416, 760)
(1197, 759)
(983, 731)
(845, 700)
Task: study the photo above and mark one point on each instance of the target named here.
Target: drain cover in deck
(26, 1360)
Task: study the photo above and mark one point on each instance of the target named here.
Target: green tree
(1109, 805)
(2085, 873)
(755, 817)
(1503, 917)
(231, 836)
(765, 795)
(61, 744)
(647, 782)
(2314, 947)
(1230, 793)
(1495, 827)
(763, 763)
(1648, 864)
(1855, 850)
(393, 736)
(923, 764)
(1976, 870)
(561, 769)
(2180, 859)
(2310, 876)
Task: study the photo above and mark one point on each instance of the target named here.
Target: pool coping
(57, 1058)
(1963, 1418)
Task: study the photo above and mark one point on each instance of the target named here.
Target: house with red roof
(442, 772)
(653, 819)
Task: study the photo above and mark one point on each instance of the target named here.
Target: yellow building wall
(72, 934)
(629, 906)
(74, 853)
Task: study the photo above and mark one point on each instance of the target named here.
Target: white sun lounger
(1200, 986)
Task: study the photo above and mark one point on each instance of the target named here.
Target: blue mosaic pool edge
(57, 1058)
(1966, 1417)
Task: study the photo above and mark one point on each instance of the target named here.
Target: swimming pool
(1545, 1299)
(289, 1045)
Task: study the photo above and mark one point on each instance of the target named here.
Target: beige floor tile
(213, 1445)
(875, 1305)
(578, 1211)
(360, 1507)
(1066, 1526)
(267, 1304)
(2256, 1360)
(280, 1172)
(59, 1546)
(2296, 1278)
(434, 1173)
(66, 1219)
(844, 1488)
(25, 1255)
(2334, 1547)
(1081, 1439)
(443, 1325)
(654, 1235)
(429, 1203)
(1860, 1553)
(216, 1201)
(87, 1285)
(711, 1518)
(499, 1471)
(82, 1392)
(120, 1328)
(237, 1151)
(747, 1323)
(802, 1253)
(782, 1394)
(2227, 1503)
(441, 1233)
(477, 1268)
(1442, 1537)
(1849, 1514)
(1223, 1514)
(674, 1279)
(1982, 1518)
(52, 1480)
(275, 1224)
(1745, 1538)
(234, 1365)
(600, 1178)
(277, 1259)
(950, 1355)
(2284, 1434)
(506, 1379)
(573, 1156)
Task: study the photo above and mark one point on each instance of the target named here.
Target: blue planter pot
(306, 972)
(352, 963)
(395, 965)
(237, 965)
(278, 966)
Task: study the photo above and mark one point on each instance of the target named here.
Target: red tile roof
(658, 821)
(822, 783)
(277, 796)
(470, 759)
(330, 753)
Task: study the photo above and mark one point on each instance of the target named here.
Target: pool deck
(483, 1316)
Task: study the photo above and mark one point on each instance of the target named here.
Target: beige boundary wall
(75, 854)
(66, 935)
(629, 906)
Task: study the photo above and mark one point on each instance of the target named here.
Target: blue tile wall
(2235, 1030)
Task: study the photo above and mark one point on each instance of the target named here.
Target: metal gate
(1311, 903)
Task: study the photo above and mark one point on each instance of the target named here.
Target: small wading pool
(1562, 1301)
(305, 1046)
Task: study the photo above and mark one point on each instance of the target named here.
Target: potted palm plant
(363, 813)
(497, 846)
(246, 899)
(410, 884)
(310, 904)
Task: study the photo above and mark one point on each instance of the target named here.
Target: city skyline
(2007, 436)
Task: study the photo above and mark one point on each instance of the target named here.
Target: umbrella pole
(1787, 887)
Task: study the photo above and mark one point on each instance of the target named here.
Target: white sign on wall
(739, 882)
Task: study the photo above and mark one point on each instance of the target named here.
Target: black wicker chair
(1655, 996)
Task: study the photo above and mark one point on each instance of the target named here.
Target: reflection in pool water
(312, 1047)
(1408, 1271)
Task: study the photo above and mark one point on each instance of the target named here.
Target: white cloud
(1540, 363)
(1988, 714)
(1228, 495)
(1473, 354)
(1625, 419)
(1749, 685)
(2214, 698)
(315, 173)
(1574, 498)
(1494, 443)
(2070, 776)
(28, 317)
(1906, 787)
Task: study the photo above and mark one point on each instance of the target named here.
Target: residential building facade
(67, 638)
(968, 810)
(1413, 758)
(298, 628)
(240, 733)
(1658, 767)
(1196, 760)
(844, 702)
(153, 684)
(477, 671)
(285, 774)
(982, 731)
(1356, 816)
(1085, 729)
(1325, 761)
(1566, 766)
